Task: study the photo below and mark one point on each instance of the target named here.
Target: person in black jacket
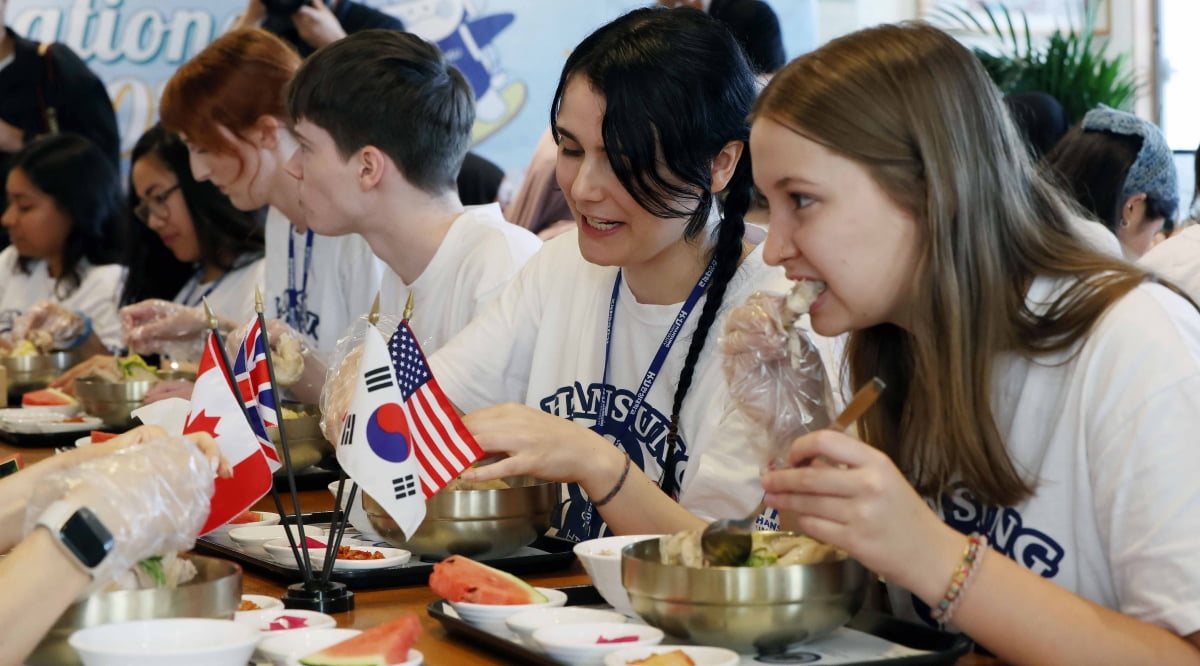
(752, 22)
(310, 24)
(46, 89)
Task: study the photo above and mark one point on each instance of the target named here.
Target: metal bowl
(476, 523)
(748, 609)
(30, 373)
(306, 443)
(113, 401)
(215, 592)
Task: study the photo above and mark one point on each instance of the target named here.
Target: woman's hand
(849, 494)
(66, 381)
(61, 326)
(149, 325)
(169, 388)
(317, 25)
(538, 444)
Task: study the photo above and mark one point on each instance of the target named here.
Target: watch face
(87, 537)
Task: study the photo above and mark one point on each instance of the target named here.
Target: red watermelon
(459, 578)
(101, 436)
(47, 398)
(386, 644)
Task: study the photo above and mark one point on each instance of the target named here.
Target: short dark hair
(1092, 167)
(85, 185)
(392, 90)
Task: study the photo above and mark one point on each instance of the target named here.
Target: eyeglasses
(155, 204)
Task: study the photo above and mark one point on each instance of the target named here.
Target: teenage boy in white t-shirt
(385, 167)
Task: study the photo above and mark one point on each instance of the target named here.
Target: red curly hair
(238, 78)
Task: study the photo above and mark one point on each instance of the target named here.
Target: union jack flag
(254, 386)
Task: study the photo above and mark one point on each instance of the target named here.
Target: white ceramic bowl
(333, 486)
(523, 624)
(580, 644)
(491, 617)
(254, 536)
(176, 641)
(415, 658)
(278, 647)
(265, 518)
(285, 619)
(263, 602)
(601, 559)
(701, 655)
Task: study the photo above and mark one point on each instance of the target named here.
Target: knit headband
(1153, 171)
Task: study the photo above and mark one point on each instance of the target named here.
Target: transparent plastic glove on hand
(152, 325)
(298, 367)
(49, 326)
(153, 497)
(775, 374)
(342, 376)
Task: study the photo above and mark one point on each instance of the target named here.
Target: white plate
(285, 619)
(491, 617)
(64, 410)
(282, 645)
(281, 552)
(415, 658)
(263, 602)
(45, 423)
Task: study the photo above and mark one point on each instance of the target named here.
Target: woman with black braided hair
(605, 343)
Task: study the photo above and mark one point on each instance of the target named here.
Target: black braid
(728, 252)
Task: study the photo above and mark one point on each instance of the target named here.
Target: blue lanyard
(659, 358)
(187, 300)
(298, 299)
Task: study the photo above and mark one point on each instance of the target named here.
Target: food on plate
(285, 622)
(604, 640)
(460, 483)
(159, 572)
(101, 436)
(130, 368)
(672, 658)
(47, 398)
(248, 605)
(246, 517)
(459, 578)
(777, 550)
(348, 553)
(388, 643)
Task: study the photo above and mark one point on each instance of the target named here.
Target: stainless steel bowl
(306, 443)
(113, 401)
(475, 523)
(30, 373)
(748, 609)
(215, 592)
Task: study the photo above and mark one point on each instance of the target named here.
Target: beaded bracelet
(617, 488)
(972, 556)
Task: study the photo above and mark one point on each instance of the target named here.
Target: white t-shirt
(97, 296)
(1110, 437)
(478, 256)
(1178, 260)
(343, 278)
(542, 343)
(230, 296)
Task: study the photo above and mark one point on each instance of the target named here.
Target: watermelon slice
(459, 578)
(47, 398)
(101, 436)
(386, 644)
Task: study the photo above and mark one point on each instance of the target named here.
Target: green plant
(1072, 65)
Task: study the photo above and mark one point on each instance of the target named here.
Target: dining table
(375, 606)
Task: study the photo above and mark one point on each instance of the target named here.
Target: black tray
(315, 477)
(944, 648)
(550, 554)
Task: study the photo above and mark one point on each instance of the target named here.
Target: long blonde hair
(917, 110)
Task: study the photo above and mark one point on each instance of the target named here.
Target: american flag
(254, 386)
(444, 446)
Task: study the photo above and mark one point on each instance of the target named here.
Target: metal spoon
(727, 542)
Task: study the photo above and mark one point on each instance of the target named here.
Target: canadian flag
(216, 411)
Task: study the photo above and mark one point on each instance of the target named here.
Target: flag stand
(322, 595)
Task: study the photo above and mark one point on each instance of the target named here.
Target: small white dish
(263, 602)
(253, 536)
(279, 647)
(175, 641)
(281, 551)
(491, 617)
(285, 619)
(601, 559)
(62, 410)
(264, 518)
(415, 658)
(523, 624)
(701, 655)
(587, 644)
(45, 423)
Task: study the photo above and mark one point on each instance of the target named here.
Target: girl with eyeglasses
(60, 277)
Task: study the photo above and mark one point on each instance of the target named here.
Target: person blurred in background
(752, 22)
(539, 204)
(46, 89)
(1119, 168)
(65, 216)
(310, 24)
(1040, 118)
(1178, 257)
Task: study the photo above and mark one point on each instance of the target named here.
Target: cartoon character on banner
(464, 32)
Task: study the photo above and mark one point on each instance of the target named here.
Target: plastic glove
(61, 327)
(153, 498)
(153, 324)
(169, 388)
(298, 367)
(342, 377)
(66, 381)
(775, 374)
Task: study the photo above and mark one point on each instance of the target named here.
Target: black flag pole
(213, 324)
